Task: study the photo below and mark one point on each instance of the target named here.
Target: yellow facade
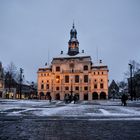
(73, 73)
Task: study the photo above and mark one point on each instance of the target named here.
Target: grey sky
(29, 28)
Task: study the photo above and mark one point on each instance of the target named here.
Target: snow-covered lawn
(106, 108)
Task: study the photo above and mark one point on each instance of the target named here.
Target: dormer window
(57, 68)
(85, 67)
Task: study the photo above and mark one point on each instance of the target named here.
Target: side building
(1, 80)
(73, 73)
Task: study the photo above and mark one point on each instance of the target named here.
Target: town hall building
(73, 73)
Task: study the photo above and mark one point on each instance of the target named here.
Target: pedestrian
(50, 98)
(75, 98)
(124, 99)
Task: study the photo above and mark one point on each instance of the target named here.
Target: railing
(71, 71)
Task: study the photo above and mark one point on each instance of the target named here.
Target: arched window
(86, 96)
(94, 96)
(57, 96)
(102, 95)
(42, 86)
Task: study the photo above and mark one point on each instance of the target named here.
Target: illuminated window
(57, 79)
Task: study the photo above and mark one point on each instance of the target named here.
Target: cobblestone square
(41, 120)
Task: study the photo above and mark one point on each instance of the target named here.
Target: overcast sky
(31, 28)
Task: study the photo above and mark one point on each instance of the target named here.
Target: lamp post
(21, 79)
(131, 83)
(71, 91)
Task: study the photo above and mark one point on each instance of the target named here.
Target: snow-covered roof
(99, 65)
(69, 56)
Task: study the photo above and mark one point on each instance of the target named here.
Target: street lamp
(131, 83)
(71, 85)
(21, 79)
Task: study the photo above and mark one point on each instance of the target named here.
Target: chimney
(61, 52)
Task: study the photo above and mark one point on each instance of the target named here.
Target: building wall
(72, 67)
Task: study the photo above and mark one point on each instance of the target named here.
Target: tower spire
(73, 44)
(73, 25)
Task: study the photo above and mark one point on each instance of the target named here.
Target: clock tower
(73, 44)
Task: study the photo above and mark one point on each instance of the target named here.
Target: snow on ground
(106, 108)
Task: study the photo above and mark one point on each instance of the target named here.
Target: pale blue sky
(29, 28)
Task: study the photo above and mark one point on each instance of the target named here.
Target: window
(57, 79)
(86, 88)
(71, 65)
(57, 68)
(47, 86)
(98, 73)
(101, 80)
(95, 86)
(57, 88)
(101, 85)
(42, 86)
(102, 73)
(42, 81)
(66, 88)
(85, 67)
(76, 78)
(77, 88)
(44, 74)
(86, 78)
(66, 79)
(94, 73)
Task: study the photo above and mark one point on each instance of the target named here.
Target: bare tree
(12, 70)
(135, 67)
